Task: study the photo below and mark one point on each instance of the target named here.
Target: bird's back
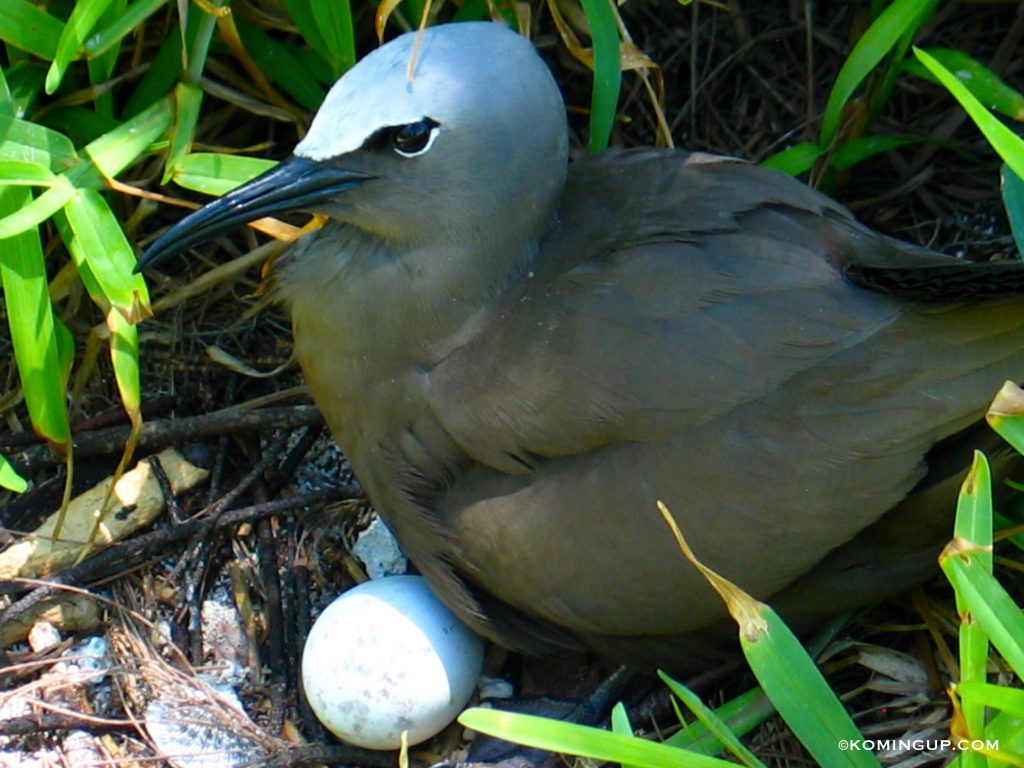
(692, 332)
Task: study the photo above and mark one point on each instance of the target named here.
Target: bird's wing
(652, 306)
(688, 335)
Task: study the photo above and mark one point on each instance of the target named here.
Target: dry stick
(267, 556)
(125, 555)
(51, 721)
(307, 756)
(9, 442)
(302, 620)
(160, 434)
(251, 478)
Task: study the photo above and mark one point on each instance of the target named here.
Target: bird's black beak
(295, 184)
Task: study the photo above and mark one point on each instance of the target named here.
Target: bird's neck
(395, 304)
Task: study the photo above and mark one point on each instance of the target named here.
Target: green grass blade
(877, 41)
(1013, 201)
(26, 174)
(28, 27)
(114, 151)
(274, 58)
(9, 477)
(117, 29)
(1005, 142)
(333, 20)
(22, 140)
(301, 13)
(786, 673)
(83, 18)
(985, 84)
(712, 722)
(1006, 415)
(791, 679)
(162, 74)
(974, 509)
(604, 35)
(101, 252)
(38, 210)
(124, 358)
(215, 174)
(974, 525)
(989, 604)
(42, 358)
(1009, 700)
(473, 10)
(199, 45)
(102, 65)
(572, 739)
(621, 725)
(80, 124)
(6, 100)
(794, 160)
(858, 150)
(1008, 730)
(188, 99)
(741, 715)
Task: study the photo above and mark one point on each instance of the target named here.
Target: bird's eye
(415, 138)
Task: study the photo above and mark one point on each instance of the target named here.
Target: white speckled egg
(385, 657)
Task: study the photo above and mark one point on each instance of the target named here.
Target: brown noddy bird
(519, 357)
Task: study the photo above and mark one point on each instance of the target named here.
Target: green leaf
(125, 24)
(9, 477)
(791, 679)
(1009, 700)
(786, 673)
(1006, 415)
(114, 151)
(33, 143)
(42, 358)
(989, 604)
(188, 98)
(474, 10)
(26, 174)
(301, 13)
(604, 35)
(28, 27)
(1013, 202)
(877, 41)
(80, 124)
(215, 174)
(974, 525)
(985, 84)
(81, 22)
(857, 151)
(6, 101)
(333, 18)
(39, 209)
(740, 714)
(164, 71)
(124, 358)
(25, 81)
(274, 58)
(101, 252)
(794, 160)
(1004, 141)
(711, 721)
(621, 725)
(569, 738)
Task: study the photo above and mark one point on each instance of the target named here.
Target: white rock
(378, 549)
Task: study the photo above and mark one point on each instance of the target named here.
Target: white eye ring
(435, 129)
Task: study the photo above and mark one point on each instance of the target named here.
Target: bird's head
(473, 145)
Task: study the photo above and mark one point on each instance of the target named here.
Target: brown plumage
(518, 370)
